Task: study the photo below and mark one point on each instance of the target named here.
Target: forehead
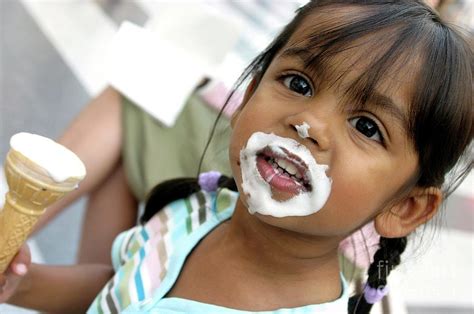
(339, 47)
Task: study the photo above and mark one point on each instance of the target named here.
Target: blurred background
(52, 62)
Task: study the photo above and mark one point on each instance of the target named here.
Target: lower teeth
(282, 171)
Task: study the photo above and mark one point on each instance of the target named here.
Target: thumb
(22, 261)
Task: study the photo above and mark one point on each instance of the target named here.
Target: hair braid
(386, 259)
(227, 182)
(389, 254)
(174, 189)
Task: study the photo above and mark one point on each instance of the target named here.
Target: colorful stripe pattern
(141, 255)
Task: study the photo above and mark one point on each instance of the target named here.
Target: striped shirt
(148, 260)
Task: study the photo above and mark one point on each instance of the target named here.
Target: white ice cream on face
(259, 194)
(303, 130)
(57, 160)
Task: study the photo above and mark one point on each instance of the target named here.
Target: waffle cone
(31, 191)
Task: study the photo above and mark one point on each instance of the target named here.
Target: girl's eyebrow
(301, 53)
(386, 103)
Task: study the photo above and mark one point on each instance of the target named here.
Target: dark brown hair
(394, 39)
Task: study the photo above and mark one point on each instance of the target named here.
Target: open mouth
(283, 170)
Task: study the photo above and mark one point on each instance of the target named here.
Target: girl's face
(368, 152)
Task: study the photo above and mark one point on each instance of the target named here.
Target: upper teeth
(289, 167)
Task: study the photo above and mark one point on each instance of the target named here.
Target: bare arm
(61, 289)
(96, 137)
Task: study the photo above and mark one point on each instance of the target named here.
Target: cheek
(356, 187)
(354, 200)
(359, 190)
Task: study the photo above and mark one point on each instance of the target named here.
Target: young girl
(355, 113)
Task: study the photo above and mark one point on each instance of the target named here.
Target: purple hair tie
(208, 181)
(374, 295)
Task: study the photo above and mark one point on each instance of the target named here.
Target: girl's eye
(367, 127)
(298, 84)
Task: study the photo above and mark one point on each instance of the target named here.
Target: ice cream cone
(31, 190)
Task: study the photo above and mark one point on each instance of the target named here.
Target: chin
(291, 224)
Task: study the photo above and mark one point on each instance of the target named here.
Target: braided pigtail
(175, 189)
(386, 259)
(228, 183)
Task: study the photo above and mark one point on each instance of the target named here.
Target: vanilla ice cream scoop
(58, 161)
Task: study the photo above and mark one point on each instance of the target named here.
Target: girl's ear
(405, 216)
(248, 94)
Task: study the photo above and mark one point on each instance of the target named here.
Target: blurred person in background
(137, 151)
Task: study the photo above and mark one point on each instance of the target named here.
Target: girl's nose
(310, 129)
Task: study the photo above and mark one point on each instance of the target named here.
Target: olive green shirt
(153, 152)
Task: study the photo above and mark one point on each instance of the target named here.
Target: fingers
(21, 261)
(19, 264)
(3, 281)
(3, 284)
(14, 274)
